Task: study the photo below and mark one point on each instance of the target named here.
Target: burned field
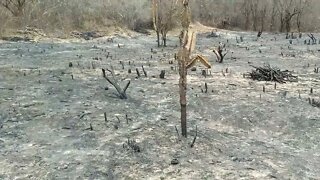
(60, 118)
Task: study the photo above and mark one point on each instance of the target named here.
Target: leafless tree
(302, 4)
(254, 12)
(287, 10)
(273, 15)
(16, 7)
(164, 13)
(247, 14)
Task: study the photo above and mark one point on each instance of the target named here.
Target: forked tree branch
(114, 83)
(219, 53)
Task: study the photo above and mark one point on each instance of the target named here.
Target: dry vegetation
(61, 17)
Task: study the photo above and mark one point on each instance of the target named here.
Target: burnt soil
(52, 123)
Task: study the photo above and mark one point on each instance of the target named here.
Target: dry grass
(61, 17)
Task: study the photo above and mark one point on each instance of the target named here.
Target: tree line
(255, 15)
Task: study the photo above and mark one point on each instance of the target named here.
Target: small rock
(136, 126)
(175, 161)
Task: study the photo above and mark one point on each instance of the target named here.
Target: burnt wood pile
(268, 73)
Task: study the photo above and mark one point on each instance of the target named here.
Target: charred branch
(113, 81)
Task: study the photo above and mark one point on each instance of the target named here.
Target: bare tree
(163, 13)
(288, 10)
(262, 17)
(273, 15)
(16, 7)
(254, 13)
(302, 4)
(247, 14)
(156, 19)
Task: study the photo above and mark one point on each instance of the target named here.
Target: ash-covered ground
(52, 123)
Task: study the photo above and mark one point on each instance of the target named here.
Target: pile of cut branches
(268, 73)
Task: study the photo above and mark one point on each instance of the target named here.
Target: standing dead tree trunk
(288, 18)
(114, 82)
(156, 20)
(183, 58)
(247, 13)
(273, 15)
(287, 9)
(163, 13)
(302, 5)
(254, 14)
(299, 15)
(187, 45)
(263, 14)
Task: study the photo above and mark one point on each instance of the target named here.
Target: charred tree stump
(206, 87)
(259, 34)
(162, 74)
(204, 73)
(138, 73)
(144, 72)
(122, 64)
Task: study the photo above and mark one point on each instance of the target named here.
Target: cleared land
(243, 132)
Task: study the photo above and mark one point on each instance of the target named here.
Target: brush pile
(268, 73)
(86, 35)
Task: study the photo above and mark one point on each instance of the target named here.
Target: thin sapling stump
(194, 139)
(259, 34)
(144, 72)
(113, 81)
(162, 74)
(138, 73)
